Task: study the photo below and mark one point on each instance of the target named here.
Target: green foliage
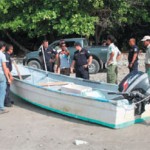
(128, 11)
(40, 17)
(65, 17)
(84, 25)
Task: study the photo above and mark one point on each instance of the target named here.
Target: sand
(27, 127)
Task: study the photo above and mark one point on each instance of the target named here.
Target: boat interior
(65, 84)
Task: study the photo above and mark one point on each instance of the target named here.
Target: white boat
(81, 99)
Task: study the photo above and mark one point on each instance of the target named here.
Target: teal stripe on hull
(87, 119)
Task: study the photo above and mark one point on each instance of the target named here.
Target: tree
(65, 17)
(121, 13)
(44, 17)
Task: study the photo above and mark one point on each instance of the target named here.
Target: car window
(85, 43)
(70, 43)
(55, 45)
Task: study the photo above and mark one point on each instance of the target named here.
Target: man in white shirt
(112, 56)
(146, 41)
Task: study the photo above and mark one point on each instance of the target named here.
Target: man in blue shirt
(133, 55)
(64, 60)
(4, 74)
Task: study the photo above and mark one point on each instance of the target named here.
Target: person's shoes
(2, 111)
(8, 105)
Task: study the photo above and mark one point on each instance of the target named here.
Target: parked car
(99, 54)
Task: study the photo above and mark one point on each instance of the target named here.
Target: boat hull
(112, 114)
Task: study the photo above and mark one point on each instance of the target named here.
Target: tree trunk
(15, 42)
(96, 38)
(98, 34)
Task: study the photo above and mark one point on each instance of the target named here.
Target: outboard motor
(136, 88)
(136, 80)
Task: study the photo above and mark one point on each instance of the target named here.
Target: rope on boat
(145, 99)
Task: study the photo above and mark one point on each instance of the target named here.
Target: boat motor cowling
(135, 87)
(135, 80)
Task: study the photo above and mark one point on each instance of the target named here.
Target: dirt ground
(27, 127)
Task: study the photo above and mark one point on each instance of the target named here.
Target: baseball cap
(145, 38)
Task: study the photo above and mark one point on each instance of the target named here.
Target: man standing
(63, 60)
(42, 49)
(50, 56)
(3, 75)
(9, 50)
(112, 55)
(81, 60)
(133, 56)
(146, 41)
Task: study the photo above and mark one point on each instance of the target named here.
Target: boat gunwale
(84, 80)
(66, 93)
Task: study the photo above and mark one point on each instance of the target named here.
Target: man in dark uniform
(133, 55)
(9, 50)
(50, 56)
(81, 60)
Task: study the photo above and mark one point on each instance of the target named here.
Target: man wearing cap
(81, 60)
(146, 41)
